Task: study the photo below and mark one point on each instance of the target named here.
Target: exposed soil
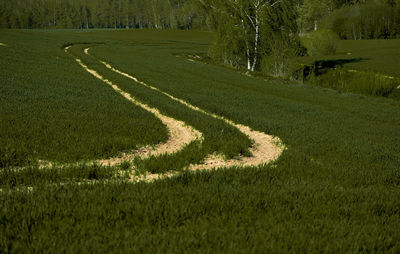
(3, 44)
(265, 148)
(180, 134)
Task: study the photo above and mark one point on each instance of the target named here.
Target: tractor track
(264, 150)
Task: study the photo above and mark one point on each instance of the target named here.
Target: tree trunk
(253, 67)
(248, 59)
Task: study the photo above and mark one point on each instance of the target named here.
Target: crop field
(91, 119)
(51, 110)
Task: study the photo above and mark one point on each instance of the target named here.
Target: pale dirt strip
(3, 44)
(266, 148)
(180, 134)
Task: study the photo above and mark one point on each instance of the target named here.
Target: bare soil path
(3, 44)
(265, 149)
(180, 134)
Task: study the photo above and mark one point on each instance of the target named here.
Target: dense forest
(364, 19)
(371, 20)
(85, 14)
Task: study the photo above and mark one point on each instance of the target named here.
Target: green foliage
(250, 34)
(311, 12)
(356, 20)
(230, 47)
(321, 42)
(370, 20)
(175, 14)
(335, 188)
(350, 19)
(280, 58)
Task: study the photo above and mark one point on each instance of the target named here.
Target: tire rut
(265, 149)
(180, 134)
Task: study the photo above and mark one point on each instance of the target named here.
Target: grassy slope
(51, 109)
(335, 189)
(295, 113)
(382, 56)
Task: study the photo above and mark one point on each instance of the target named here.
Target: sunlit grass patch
(351, 81)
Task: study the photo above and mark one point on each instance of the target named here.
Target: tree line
(85, 14)
(257, 35)
(350, 19)
(264, 35)
(362, 19)
(371, 20)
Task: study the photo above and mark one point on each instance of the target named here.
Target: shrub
(321, 42)
(278, 58)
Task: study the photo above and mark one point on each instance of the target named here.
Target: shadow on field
(320, 67)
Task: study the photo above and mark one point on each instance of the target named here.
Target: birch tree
(242, 23)
(311, 12)
(254, 12)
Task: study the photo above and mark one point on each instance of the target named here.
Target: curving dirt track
(180, 134)
(264, 150)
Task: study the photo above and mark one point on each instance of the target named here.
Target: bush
(321, 42)
(278, 59)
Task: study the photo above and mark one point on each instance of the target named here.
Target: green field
(370, 67)
(334, 189)
(52, 110)
(381, 56)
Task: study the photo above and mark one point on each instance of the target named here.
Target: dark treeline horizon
(350, 19)
(85, 14)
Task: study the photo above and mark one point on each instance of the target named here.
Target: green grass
(34, 177)
(345, 81)
(382, 56)
(335, 188)
(374, 67)
(50, 109)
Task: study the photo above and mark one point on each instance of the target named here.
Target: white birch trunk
(247, 49)
(248, 60)
(256, 46)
